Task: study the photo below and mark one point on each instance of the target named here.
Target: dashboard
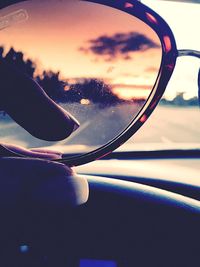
(175, 175)
(139, 213)
(148, 215)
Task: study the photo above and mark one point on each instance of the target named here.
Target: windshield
(109, 61)
(175, 122)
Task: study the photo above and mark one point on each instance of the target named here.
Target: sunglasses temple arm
(184, 1)
(192, 53)
(188, 52)
(199, 86)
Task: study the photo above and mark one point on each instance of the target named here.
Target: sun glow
(131, 93)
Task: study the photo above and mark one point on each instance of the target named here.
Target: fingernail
(75, 122)
(76, 125)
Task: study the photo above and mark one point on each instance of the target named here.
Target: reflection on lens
(98, 63)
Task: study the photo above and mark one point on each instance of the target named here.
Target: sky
(84, 40)
(184, 20)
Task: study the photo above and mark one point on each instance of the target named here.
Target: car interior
(144, 203)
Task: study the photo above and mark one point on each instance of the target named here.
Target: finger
(18, 150)
(46, 151)
(25, 101)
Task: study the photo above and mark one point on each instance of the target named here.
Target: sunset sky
(85, 40)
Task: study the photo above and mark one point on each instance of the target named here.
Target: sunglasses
(106, 62)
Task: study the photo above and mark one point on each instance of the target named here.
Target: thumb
(9, 150)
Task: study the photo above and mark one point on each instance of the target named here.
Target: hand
(32, 182)
(36, 201)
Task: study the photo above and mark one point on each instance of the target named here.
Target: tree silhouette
(53, 86)
(180, 101)
(16, 59)
(96, 91)
(1, 52)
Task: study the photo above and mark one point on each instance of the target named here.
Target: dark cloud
(120, 44)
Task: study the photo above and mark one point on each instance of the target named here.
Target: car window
(175, 120)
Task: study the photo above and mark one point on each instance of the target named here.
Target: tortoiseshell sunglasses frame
(168, 61)
(169, 57)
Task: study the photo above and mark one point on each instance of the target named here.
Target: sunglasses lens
(98, 63)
